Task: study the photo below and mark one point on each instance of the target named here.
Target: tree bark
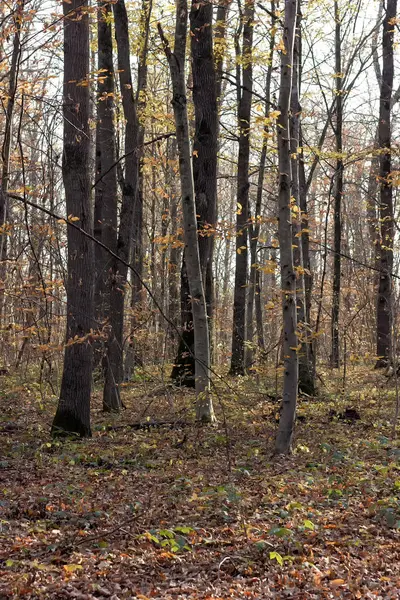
(288, 277)
(132, 354)
(129, 198)
(205, 147)
(6, 147)
(73, 412)
(337, 234)
(242, 219)
(385, 293)
(306, 369)
(176, 60)
(106, 204)
(254, 283)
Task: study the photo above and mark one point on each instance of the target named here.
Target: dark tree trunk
(253, 297)
(132, 355)
(73, 412)
(384, 306)
(205, 148)
(220, 44)
(337, 227)
(288, 277)
(242, 220)
(6, 146)
(119, 271)
(106, 213)
(176, 60)
(306, 367)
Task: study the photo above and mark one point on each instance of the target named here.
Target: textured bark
(288, 278)
(306, 369)
(254, 283)
(175, 250)
(205, 147)
(305, 237)
(132, 354)
(220, 44)
(242, 220)
(6, 146)
(176, 60)
(73, 412)
(337, 227)
(106, 212)
(129, 197)
(385, 292)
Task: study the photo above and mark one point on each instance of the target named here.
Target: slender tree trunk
(129, 197)
(175, 250)
(242, 220)
(253, 289)
(305, 240)
(73, 412)
(176, 60)
(132, 354)
(337, 234)
(205, 147)
(385, 292)
(107, 212)
(288, 276)
(306, 369)
(6, 147)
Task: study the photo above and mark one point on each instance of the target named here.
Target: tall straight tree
(131, 356)
(306, 368)
(386, 220)
(254, 291)
(7, 138)
(244, 90)
(205, 148)
(337, 209)
(73, 412)
(205, 143)
(288, 277)
(176, 61)
(118, 269)
(106, 207)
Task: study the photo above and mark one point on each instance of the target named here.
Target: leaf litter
(202, 513)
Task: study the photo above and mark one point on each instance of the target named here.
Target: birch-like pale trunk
(288, 278)
(176, 61)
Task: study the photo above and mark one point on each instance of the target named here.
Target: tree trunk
(254, 285)
(306, 369)
(175, 250)
(337, 235)
(129, 197)
(73, 412)
(288, 277)
(132, 354)
(385, 293)
(106, 204)
(6, 147)
(176, 60)
(205, 149)
(242, 220)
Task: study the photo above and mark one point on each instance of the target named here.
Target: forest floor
(202, 512)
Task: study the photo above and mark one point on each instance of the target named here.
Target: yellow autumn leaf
(72, 568)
